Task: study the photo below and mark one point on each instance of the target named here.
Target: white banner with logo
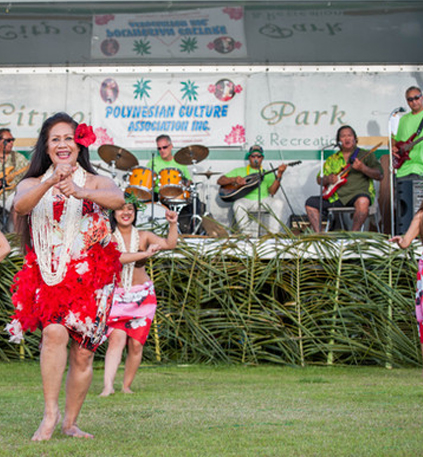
(205, 109)
(200, 33)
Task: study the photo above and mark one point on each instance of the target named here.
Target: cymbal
(123, 159)
(213, 228)
(208, 173)
(191, 154)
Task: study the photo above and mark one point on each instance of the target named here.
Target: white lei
(128, 268)
(43, 226)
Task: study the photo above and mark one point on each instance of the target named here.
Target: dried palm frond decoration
(344, 299)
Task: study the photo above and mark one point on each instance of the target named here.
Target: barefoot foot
(46, 428)
(107, 392)
(76, 432)
(127, 390)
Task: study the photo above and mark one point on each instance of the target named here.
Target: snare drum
(170, 183)
(182, 199)
(142, 179)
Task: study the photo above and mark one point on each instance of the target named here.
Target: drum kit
(174, 191)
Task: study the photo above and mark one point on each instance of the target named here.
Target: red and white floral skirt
(133, 311)
(81, 301)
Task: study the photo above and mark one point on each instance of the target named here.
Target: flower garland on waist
(43, 226)
(128, 268)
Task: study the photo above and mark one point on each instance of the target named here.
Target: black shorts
(314, 202)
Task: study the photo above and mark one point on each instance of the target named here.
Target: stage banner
(303, 111)
(200, 33)
(192, 109)
(27, 100)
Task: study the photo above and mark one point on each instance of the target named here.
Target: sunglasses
(159, 148)
(256, 156)
(8, 140)
(413, 99)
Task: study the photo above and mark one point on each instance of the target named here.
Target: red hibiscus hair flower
(84, 135)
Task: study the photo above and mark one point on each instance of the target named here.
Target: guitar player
(264, 193)
(15, 165)
(409, 125)
(357, 191)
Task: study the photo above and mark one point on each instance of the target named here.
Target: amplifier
(409, 196)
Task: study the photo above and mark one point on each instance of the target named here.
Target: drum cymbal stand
(113, 171)
(195, 218)
(153, 184)
(208, 213)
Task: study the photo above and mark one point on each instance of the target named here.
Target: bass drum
(154, 214)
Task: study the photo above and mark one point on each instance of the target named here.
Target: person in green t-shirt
(408, 125)
(358, 191)
(182, 202)
(264, 193)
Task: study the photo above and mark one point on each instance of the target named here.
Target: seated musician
(250, 202)
(358, 191)
(162, 162)
(15, 165)
(166, 159)
(411, 124)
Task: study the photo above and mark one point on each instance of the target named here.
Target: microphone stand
(322, 153)
(283, 192)
(4, 184)
(153, 154)
(259, 200)
(391, 169)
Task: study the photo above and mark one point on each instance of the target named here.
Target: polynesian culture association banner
(200, 33)
(192, 109)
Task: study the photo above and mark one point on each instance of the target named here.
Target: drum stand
(196, 219)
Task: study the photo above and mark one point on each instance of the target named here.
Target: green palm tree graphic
(142, 47)
(142, 89)
(189, 90)
(189, 45)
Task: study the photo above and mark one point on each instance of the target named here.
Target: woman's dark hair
(113, 221)
(338, 133)
(40, 162)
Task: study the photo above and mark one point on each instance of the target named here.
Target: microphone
(398, 110)
(255, 162)
(330, 145)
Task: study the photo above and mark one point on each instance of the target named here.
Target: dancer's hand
(152, 249)
(171, 216)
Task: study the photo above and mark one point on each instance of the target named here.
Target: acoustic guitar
(232, 192)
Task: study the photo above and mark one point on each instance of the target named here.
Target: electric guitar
(404, 149)
(341, 177)
(10, 176)
(232, 192)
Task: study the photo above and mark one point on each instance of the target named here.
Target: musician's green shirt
(357, 183)
(268, 180)
(407, 126)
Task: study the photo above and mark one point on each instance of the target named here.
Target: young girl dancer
(134, 303)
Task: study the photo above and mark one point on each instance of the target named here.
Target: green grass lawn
(227, 411)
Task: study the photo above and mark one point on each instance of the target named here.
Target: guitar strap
(419, 129)
(354, 155)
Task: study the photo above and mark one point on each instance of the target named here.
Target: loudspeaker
(409, 196)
